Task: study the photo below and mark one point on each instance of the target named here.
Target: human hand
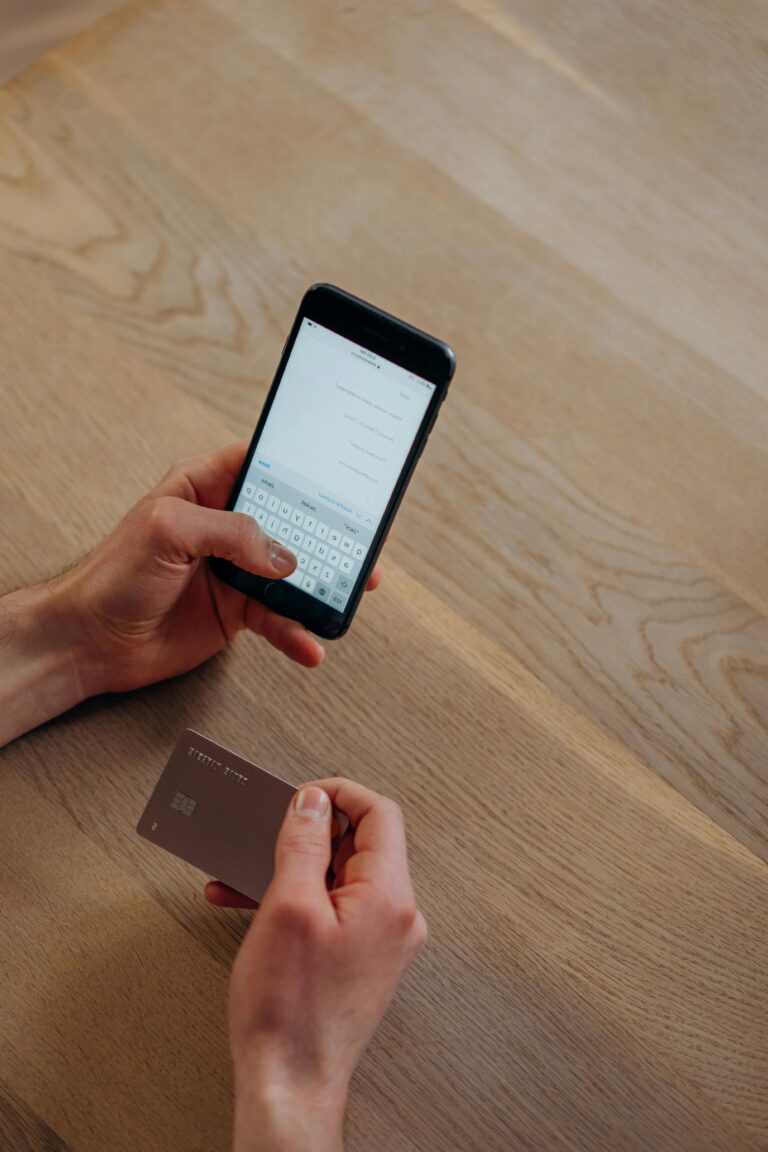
(148, 605)
(144, 605)
(318, 967)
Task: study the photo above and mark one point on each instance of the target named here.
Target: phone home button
(274, 594)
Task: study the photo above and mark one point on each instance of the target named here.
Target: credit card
(220, 812)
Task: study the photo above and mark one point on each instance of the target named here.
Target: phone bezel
(386, 336)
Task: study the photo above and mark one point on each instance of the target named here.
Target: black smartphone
(353, 401)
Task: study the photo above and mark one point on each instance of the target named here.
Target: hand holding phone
(142, 605)
(354, 399)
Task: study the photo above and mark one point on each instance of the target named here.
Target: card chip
(183, 804)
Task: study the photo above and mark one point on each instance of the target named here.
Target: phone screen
(334, 443)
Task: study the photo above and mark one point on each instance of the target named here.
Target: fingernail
(281, 558)
(312, 802)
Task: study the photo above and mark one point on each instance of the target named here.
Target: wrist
(274, 1114)
(43, 665)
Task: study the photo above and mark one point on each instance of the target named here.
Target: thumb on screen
(190, 530)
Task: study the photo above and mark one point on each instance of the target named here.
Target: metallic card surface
(218, 811)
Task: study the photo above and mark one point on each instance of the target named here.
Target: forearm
(41, 667)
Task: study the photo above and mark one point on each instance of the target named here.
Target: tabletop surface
(563, 677)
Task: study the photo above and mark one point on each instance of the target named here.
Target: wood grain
(563, 678)
(31, 28)
(21, 1128)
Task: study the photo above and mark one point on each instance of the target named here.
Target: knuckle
(161, 518)
(406, 918)
(400, 915)
(174, 477)
(419, 933)
(177, 470)
(301, 843)
(332, 782)
(392, 809)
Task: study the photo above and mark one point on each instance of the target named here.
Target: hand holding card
(342, 846)
(222, 813)
(318, 967)
(314, 948)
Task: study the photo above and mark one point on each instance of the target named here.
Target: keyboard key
(273, 503)
(284, 531)
(344, 585)
(310, 523)
(334, 557)
(295, 578)
(321, 531)
(327, 574)
(248, 509)
(297, 536)
(297, 518)
(323, 591)
(334, 537)
(261, 495)
(338, 601)
(347, 564)
(309, 543)
(273, 523)
(359, 551)
(302, 559)
(314, 567)
(248, 491)
(321, 550)
(308, 583)
(261, 516)
(346, 544)
(285, 509)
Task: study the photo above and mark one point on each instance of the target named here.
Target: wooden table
(28, 28)
(563, 679)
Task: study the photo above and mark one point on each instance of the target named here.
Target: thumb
(187, 531)
(303, 849)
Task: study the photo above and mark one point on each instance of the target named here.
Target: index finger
(381, 855)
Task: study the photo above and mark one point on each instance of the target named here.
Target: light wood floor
(564, 679)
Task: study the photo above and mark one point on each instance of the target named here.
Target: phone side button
(274, 594)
